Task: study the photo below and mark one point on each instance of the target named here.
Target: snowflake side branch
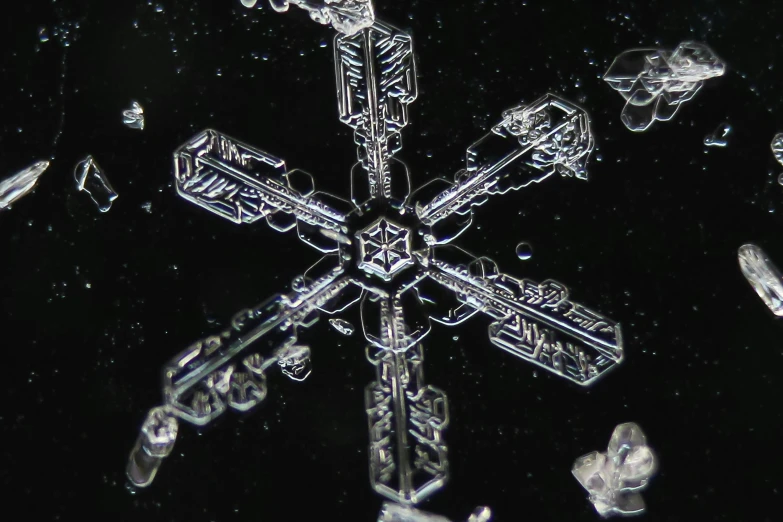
(216, 372)
(535, 321)
(532, 142)
(408, 459)
(375, 73)
(244, 184)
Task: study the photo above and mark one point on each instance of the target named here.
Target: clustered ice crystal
(656, 83)
(615, 478)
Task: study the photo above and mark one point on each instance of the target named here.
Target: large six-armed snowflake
(387, 249)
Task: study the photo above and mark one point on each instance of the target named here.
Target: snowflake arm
(218, 371)
(244, 184)
(376, 81)
(406, 417)
(534, 321)
(532, 142)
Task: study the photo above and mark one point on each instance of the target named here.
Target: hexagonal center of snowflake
(384, 248)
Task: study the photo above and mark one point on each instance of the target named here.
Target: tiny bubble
(524, 251)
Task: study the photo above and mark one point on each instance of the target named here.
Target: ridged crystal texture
(388, 251)
(615, 478)
(20, 184)
(134, 117)
(776, 145)
(763, 276)
(656, 83)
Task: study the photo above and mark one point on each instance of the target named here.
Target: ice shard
(20, 184)
(91, 179)
(763, 276)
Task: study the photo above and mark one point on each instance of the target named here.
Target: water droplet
(524, 251)
(780, 179)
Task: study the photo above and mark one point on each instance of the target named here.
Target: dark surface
(650, 241)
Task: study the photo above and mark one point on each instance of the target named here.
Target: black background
(93, 304)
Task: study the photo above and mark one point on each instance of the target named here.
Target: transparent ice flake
(720, 137)
(91, 179)
(20, 184)
(777, 147)
(763, 276)
(342, 326)
(399, 513)
(615, 478)
(134, 117)
(387, 251)
(345, 16)
(656, 83)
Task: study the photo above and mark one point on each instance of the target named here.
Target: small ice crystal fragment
(719, 138)
(342, 326)
(763, 276)
(294, 361)
(777, 147)
(614, 478)
(134, 117)
(91, 179)
(398, 513)
(346, 16)
(524, 251)
(480, 514)
(656, 83)
(18, 185)
(155, 442)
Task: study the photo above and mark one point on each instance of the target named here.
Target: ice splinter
(719, 138)
(763, 276)
(615, 478)
(387, 250)
(20, 184)
(342, 326)
(91, 179)
(656, 83)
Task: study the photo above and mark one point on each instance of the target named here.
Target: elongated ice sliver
(763, 276)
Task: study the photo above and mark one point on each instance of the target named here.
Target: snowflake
(387, 250)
